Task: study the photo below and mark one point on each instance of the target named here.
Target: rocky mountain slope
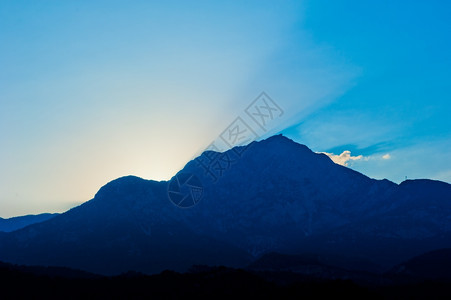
(273, 195)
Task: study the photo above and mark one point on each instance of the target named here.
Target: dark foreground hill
(271, 196)
(434, 265)
(210, 283)
(202, 282)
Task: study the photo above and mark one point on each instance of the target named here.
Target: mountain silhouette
(433, 265)
(15, 223)
(230, 208)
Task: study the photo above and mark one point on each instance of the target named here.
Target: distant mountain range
(15, 223)
(271, 196)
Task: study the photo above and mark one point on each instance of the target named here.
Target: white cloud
(343, 158)
(421, 160)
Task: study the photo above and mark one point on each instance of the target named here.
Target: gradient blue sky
(94, 90)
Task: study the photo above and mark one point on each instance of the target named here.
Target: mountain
(15, 223)
(201, 282)
(433, 265)
(273, 275)
(129, 225)
(271, 196)
(52, 272)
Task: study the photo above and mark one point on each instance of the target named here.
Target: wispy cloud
(344, 158)
(151, 96)
(420, 160)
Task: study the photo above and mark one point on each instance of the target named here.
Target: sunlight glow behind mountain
(92, 91)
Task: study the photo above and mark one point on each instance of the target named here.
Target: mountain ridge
(275, 196)
(15, 223)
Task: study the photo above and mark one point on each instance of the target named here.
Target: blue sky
(401, 101)
(94, 90)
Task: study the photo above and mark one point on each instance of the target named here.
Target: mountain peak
(423, 182)
(279, 139)
(274, 195)
(119, 186)
(280, 144)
